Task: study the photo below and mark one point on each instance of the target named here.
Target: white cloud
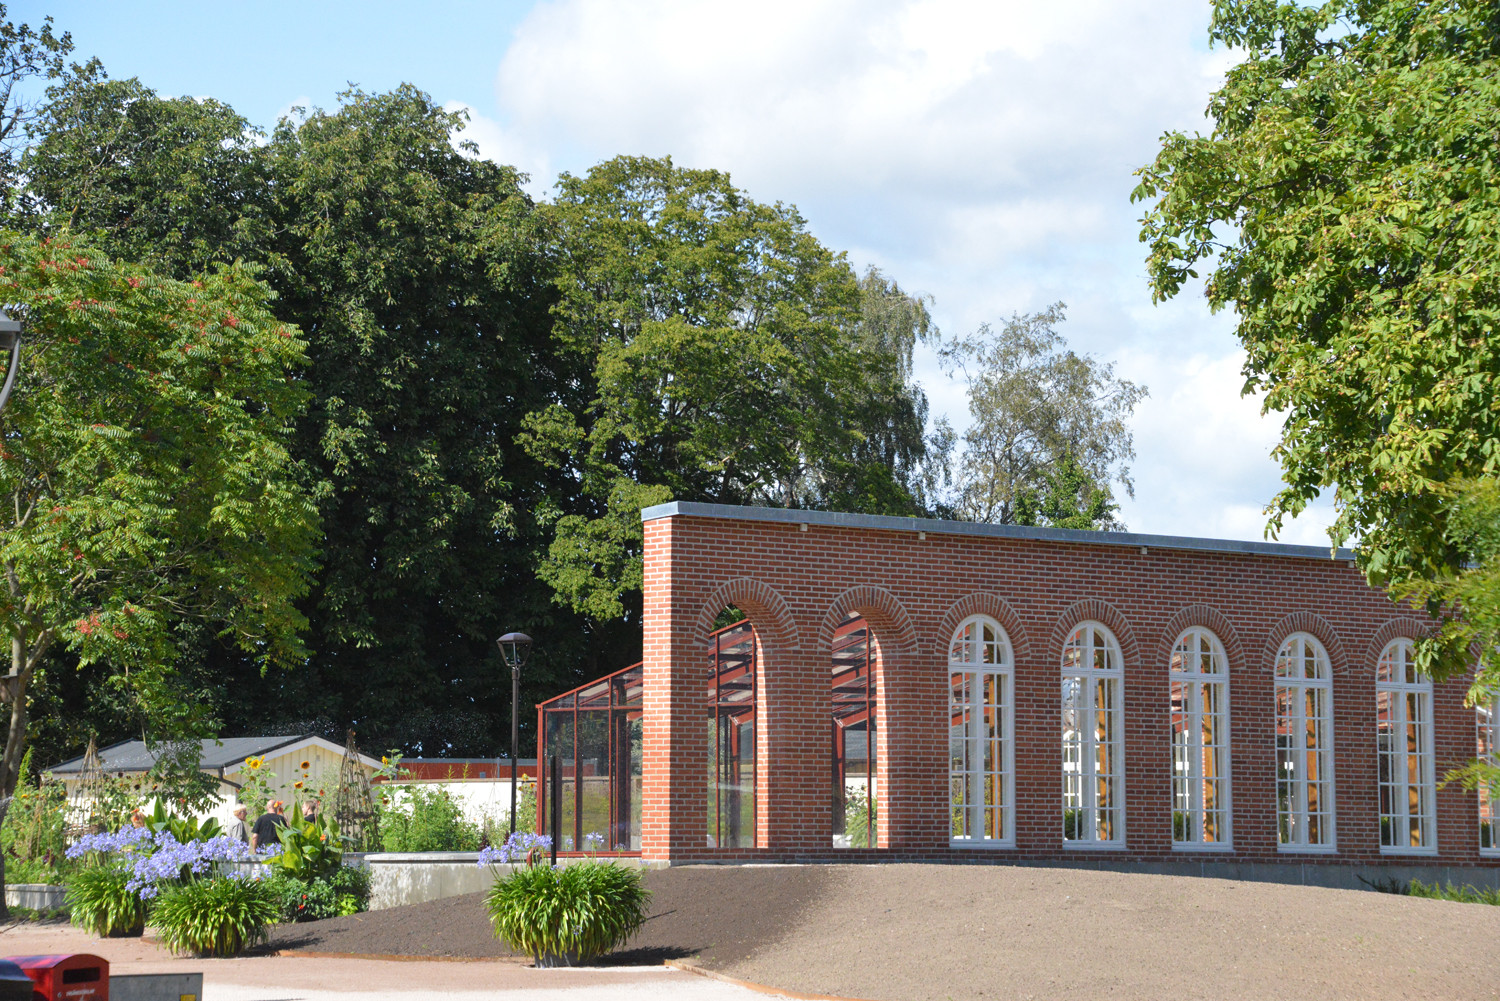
(979, 151)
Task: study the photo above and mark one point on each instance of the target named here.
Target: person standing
(239, 830)
(268, 826)
(310, 811)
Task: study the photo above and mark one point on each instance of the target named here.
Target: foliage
(177, 776)
(520, 847)
(146, 473)
(34, 833)
(310, 849)
(721, 354)
(1451, 891)
(582, 910)
(418, 818)
(1348, 200)
(256, 786)
(27, 57)
(101, 901)
(154, 860)
(1049, 429)
(859, 818)
(221, 916)
(347, 891)
(182, 829)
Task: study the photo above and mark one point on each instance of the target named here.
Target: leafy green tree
(173, 183)
(1049, 428)
(1347, 204)
(723, 354)
(146, 473)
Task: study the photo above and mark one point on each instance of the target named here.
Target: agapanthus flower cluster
(155, 858)
(174, 860)
(517, 848)
(127, 839)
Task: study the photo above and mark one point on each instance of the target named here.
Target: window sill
(1417, 852)
(1307, 849)
(1094, 846)
(1194, 846)
(984, 844)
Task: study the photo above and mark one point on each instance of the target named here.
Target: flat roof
(835, 519)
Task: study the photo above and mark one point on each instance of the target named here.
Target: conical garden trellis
(86, 812)
(353, 807)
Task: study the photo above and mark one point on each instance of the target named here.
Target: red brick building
(1037, 695)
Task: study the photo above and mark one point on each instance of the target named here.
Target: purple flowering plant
(153, 859)
(521, 846)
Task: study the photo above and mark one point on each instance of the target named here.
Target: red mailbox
(74, 977)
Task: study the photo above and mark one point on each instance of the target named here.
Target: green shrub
(574, 912)
(310, 850)
(1461, 894)
(346, 892)
(214, 917)
(34, 836)
(859, 818)
(425, 820)
(100, 901)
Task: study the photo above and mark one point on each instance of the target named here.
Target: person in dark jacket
(268, 826)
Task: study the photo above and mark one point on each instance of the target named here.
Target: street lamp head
(10, 340)
(515, 647)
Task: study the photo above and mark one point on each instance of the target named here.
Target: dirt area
(718, 914)
(920, 932)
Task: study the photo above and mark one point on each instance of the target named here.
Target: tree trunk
(4, 907)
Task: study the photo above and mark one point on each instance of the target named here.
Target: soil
(717, 915)
(925, 933)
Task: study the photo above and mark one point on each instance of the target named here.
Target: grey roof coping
(835, 519)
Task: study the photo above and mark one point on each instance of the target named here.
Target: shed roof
(223, 753)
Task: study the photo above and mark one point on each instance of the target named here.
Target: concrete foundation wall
(34, 896)
(399, 878)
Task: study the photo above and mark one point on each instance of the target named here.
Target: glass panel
(560, 747)
(959, 720)
(594, 827)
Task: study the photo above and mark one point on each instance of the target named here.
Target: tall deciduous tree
(1050, 428)
(1347, 205)
(724, 354)
(146, 472)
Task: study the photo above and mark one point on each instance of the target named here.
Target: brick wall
(796, 582)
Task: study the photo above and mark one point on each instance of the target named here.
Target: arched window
(1200, 741)
(1403, 731)
(981, 752)
(1092, 735)
(1486, 722)
(1304, 745)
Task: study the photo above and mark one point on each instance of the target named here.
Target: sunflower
(305, 765)
(296, 785)
(254, 763)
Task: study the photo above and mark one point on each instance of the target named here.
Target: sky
(978, 152)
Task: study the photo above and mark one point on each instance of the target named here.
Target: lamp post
(10, 340)
(514, 647)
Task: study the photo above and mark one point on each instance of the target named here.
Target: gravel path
(920, 932)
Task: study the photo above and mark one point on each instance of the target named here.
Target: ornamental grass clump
(102, 901)
(215, 917)
(562, 915)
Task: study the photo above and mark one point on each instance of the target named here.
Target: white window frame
(1187, 669)
(966, 657)
(1487, 745)
(1398, 654)
(1086, 636)
(1299, 646)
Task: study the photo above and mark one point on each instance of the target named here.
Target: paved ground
(904, 933)
(288, 978)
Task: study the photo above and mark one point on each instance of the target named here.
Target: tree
(722, 354)
(146, 472)
(1049, 429)
(1348, 202)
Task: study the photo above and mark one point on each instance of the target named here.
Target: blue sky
(977, 150)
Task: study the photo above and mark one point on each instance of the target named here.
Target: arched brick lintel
(889, 621)
(1095, 610)
(982, 603)
(1401, 627)
(1316, 626)
(1202, 617)
(766, 609)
